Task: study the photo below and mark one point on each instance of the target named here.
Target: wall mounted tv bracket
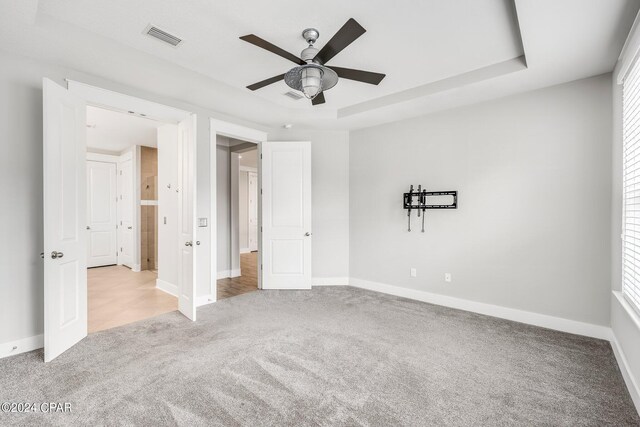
(419, 201)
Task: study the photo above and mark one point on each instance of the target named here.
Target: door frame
(244, 133)
(115, 101)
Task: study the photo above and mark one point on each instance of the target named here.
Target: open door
(186, 217)
(65, 253)
(286, 215)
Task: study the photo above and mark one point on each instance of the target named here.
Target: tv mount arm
(419, 201)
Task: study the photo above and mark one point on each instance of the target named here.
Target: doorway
(237, 217)
(66, 253)
(127, 156)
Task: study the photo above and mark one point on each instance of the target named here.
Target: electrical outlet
(447, 277)
(413, 272)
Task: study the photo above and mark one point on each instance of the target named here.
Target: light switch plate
(202, 222)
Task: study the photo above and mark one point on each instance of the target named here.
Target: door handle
(56, 255)
(188, 243)
(307, 234)
(88, 228)
(198, 242)
(129, 228)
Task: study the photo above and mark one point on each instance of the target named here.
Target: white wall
(625, 323)
(21, 271)
(330, 200)
(168, 203)
(532, 231)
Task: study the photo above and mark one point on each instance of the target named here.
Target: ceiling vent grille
(163, 36)
(293, 95)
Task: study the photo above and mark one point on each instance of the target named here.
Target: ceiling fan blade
(318, 99)
(253, 39)
(266, 82)
(359, 75)
(343, 38)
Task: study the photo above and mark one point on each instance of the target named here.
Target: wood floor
(118, 296)
(248, 282)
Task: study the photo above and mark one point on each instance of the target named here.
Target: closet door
(101, 214)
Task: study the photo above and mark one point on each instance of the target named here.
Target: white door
(101, 214)
(252, 185)
(65, 253)
(126, 210)
(286, 215)
(186, 220)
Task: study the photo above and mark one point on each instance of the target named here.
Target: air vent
(163, 36)
(293, 95)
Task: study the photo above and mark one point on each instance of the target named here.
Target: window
(631, 186)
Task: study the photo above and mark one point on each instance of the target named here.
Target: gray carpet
(330, 356)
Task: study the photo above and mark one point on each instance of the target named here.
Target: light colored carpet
(330, 356)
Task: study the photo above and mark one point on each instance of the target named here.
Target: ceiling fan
(311, 76)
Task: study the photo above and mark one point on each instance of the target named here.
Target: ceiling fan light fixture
(311, 79)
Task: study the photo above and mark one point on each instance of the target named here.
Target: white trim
(632, 384)
(148, 203)
(225, 274)
(167, 287)
(136, 268)
(528, 317)
(629, 51)
(106, 158)
(245, 250)
(248, 169)
(330, 281)
(205, 299)
(23, 345)
(116, 101)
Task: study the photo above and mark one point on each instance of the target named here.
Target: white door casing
(252, 206)
(126, 211)
(286, 215)
(101, 214)
(186, 217)
(65, 253)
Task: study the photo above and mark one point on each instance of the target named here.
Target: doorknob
(88, 228)
(307, 234)
(198, 242)
(188, 243)
(55, 254)
(129, 227)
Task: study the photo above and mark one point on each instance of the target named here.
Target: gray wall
(223, 206)
(330, 198)
(532, 231)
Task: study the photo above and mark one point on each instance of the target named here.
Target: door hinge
(261, 155)
(120, 249)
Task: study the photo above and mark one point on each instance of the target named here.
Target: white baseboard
(205, 299)
(632, 384)
(136, 268)
(536, 319)
(21, 346)
(167, 287)
(245, 250)
(224, 274)
(330, 281)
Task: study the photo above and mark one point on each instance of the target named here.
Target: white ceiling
(436, 54)
(115, 132)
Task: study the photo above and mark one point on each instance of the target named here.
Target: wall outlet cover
(447, 277)
(413, 272)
